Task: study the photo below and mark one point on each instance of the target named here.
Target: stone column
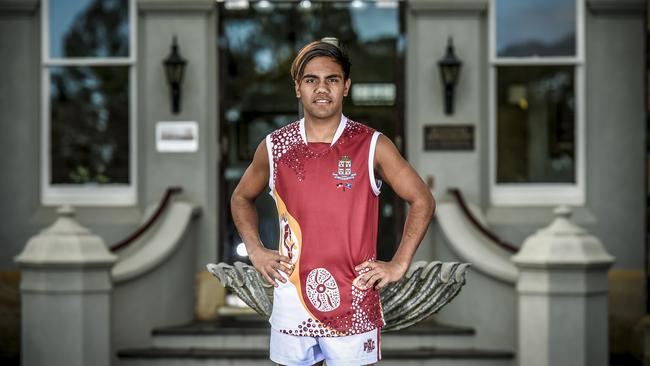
(65, 290)
(562, 289)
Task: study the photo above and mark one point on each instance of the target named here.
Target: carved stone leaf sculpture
(424, 290)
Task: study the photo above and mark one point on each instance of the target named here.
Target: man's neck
(321, 130)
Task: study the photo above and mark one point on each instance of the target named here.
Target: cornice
(617, 6)
(176, 5)
(471, 6)
(19, 6)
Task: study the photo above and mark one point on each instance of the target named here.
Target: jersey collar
(337, 134)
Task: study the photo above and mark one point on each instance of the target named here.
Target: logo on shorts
(369, 345)
(344, 169)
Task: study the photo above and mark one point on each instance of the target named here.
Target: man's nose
(322, 86)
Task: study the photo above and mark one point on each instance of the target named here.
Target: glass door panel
(257, 45)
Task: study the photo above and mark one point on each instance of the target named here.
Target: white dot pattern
(289, 148)
(322, 290)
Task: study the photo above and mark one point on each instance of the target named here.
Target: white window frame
(86, 194)
(539, 194)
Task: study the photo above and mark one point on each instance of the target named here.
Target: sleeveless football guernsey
(327, 201)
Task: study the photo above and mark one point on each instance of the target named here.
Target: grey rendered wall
(165, 296)
(429, 23)
(19, 118)
(193, 22)
(616, 158)
(20, 95)
(162, 297)
(615, 128)
(616, 136)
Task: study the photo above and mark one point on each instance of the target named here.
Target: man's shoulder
(355, 127)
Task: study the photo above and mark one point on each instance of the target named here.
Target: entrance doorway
(257, 42)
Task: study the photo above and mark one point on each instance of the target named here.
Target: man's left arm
(408, 185)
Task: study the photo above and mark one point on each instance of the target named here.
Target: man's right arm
(252, 184)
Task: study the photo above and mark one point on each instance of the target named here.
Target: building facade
(549, 108)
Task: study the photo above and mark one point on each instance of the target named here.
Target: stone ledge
(19, 6)
(471, 6)
(257, 325)
(535, 215)
(616, 6)
(176, 5)
(203, 353)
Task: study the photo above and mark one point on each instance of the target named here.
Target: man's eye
(333, 80)
(309, 81)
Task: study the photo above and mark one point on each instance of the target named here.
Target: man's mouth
(322, 101)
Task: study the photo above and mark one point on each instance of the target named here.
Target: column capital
(66, 243)
(562, 245)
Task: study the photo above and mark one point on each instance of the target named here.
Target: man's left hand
(379, 274)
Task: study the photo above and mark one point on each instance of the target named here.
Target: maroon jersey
(327, 200)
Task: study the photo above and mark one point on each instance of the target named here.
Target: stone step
(244, 340)
(253, 333)
(258, 357)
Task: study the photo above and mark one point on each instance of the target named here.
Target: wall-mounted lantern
(449, 70)
(174, 69)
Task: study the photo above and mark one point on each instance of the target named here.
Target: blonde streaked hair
(324, 48)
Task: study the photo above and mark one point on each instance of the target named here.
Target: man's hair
(319, 49)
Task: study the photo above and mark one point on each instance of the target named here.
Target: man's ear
(348, 82)
(296, 86)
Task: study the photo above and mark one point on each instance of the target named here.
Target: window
(536, 102)
(88, 84)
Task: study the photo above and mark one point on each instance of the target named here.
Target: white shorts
(352, 350)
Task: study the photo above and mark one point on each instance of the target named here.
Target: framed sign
(449, 137)
(177, 136)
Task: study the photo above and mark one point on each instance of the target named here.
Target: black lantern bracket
(174, 70)
(449, 67)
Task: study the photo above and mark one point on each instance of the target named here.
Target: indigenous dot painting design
(289, 243)
(289, 148)
(360, 318)
(312, 328)
(322, 290)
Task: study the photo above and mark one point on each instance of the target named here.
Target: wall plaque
(449, 137)
(177, 136)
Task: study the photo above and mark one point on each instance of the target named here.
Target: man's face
(322, 88)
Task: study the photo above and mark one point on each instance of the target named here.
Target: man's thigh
(290, 350)
(356, 349)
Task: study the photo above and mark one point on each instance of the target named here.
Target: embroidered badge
(344, 171)
(369, 345)
(344, 186)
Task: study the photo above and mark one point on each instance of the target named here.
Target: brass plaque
(449, 137)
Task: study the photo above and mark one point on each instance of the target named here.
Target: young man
(320, 171)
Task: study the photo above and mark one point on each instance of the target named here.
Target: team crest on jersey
(344, 169)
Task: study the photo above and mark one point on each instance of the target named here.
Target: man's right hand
(269, 262)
